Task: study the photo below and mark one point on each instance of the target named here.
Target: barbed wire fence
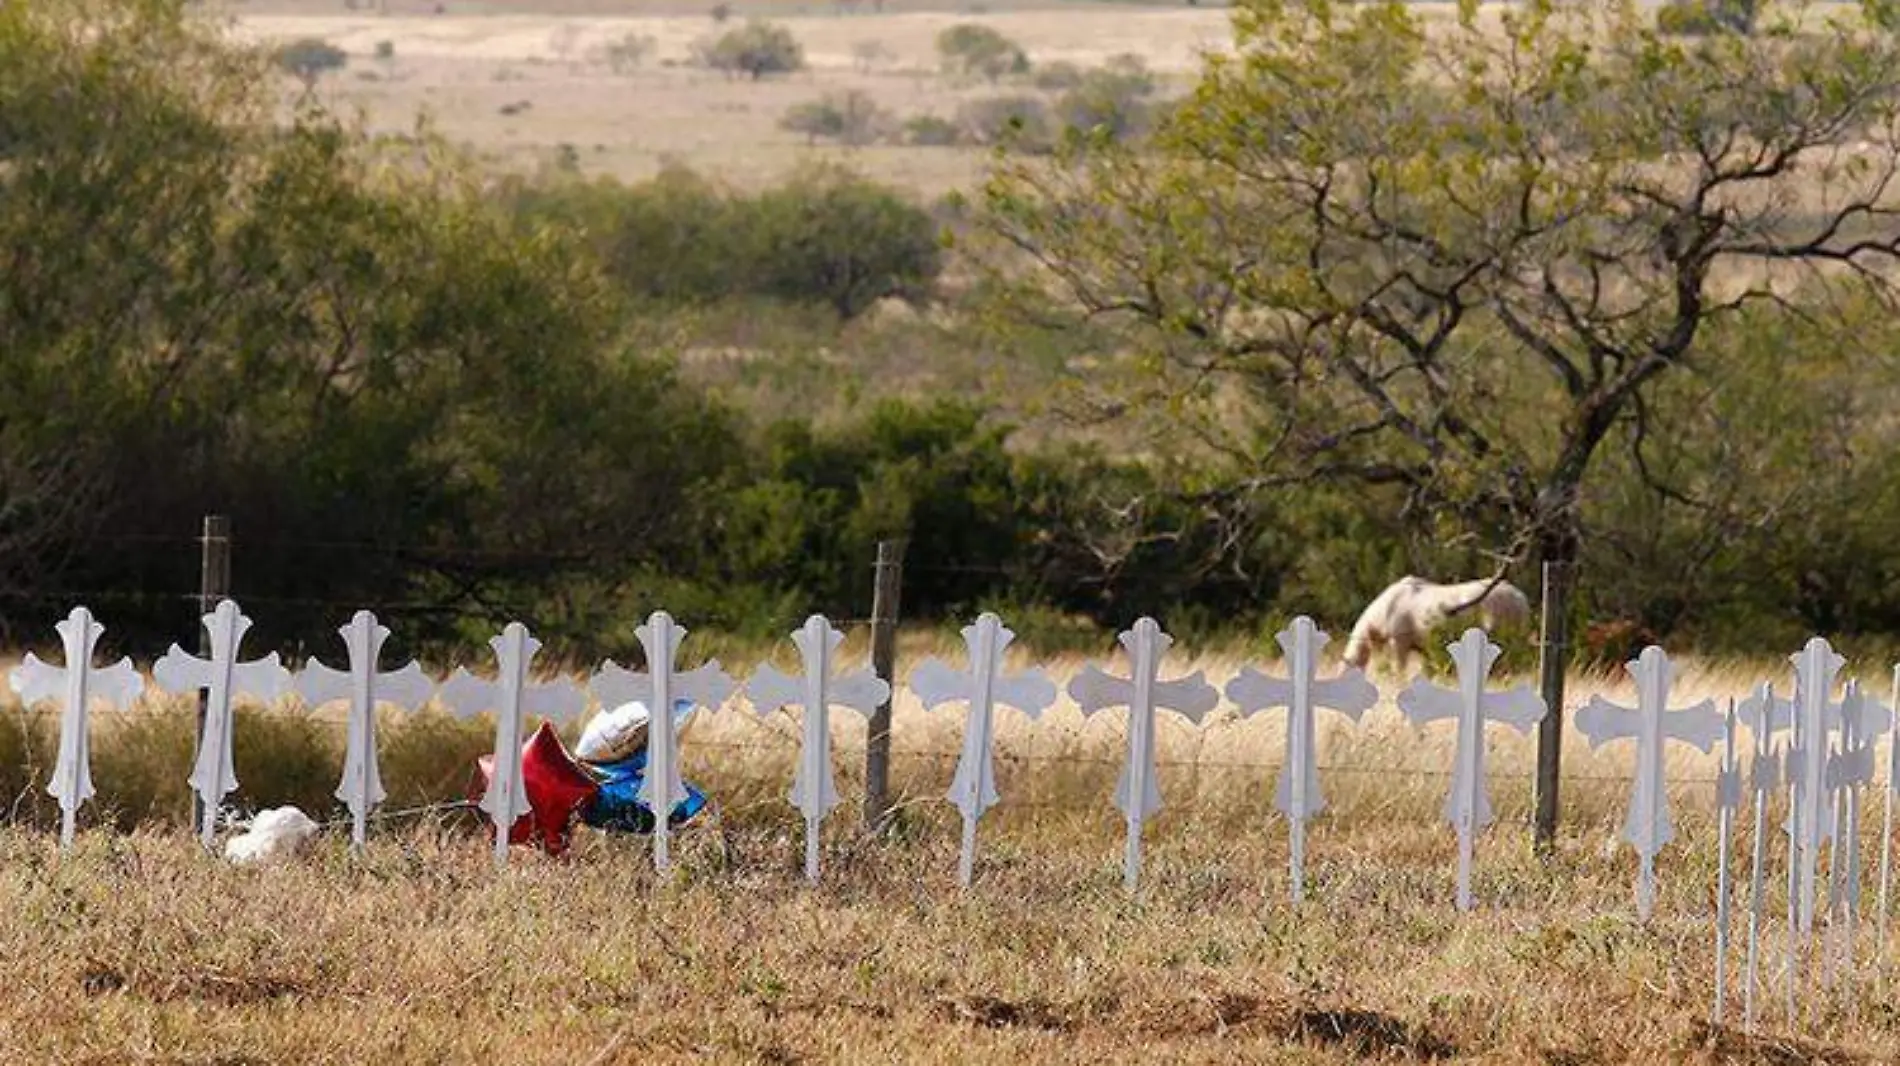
(1033, 767)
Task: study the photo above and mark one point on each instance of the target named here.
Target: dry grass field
(138, 948)
(517, 82)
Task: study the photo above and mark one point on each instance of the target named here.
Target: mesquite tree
(1453, 253)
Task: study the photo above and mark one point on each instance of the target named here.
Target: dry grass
(499, 84)
(138, 948)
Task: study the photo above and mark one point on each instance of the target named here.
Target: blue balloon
(616, 806)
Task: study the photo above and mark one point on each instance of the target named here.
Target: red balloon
(557, 789)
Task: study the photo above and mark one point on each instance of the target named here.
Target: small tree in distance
(310, 58)
(974, 50)
(755, 49)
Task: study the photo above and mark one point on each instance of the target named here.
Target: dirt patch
(992, 1013)
(1366, 1032)
(1731, 1046)
(230, 990)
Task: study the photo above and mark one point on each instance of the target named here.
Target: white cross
(1811, 717)
(661, 687)
(1651, 723)
(1298, 795)
(1137, 793)
(814, 790)
(1764, 774)
(1863, 719)
(1886, 828)
(513, 698)
(361, 788)
(75, 685)
(973, 791)
(222, 677)
(1468, 807)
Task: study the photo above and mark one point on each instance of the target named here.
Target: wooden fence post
(214, 584)
(877, 748)
(1553, 656)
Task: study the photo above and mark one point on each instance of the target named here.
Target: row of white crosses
(224, 676)
(982, 686)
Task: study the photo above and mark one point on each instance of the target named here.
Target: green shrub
(756, 49)
(849, 117)
(974, 50)
(1700, 18)
(310, 58)
(1017, 121)
(932, 131)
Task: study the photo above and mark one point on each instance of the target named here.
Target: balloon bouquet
(601, 786)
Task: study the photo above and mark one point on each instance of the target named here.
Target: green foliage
(1110, 101)
(850, 117)
(971, 49)
(1457, 265)
(310, 58)
(932, 131)
(832, 236)
(827, 237)
(1059, 76)
(1019, 122)
(756, 49)
(1698, 18)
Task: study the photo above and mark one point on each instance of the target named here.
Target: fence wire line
(787, 747)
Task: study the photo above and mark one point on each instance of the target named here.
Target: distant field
(517, 87)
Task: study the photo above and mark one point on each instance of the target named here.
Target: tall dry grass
(139, 947)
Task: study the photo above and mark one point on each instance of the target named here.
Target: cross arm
(318, 684)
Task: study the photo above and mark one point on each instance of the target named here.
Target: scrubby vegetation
(572, 401)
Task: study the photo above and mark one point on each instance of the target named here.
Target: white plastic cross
(1298, 795)
(1886, 833)
(973, 790)
(814, 789)
(1651, 723)
(661, 688)
(1468, 806)
(1811, 717)
(75, 685)
(361, 788)
(1137, 793)
(513, 698)
(1728, 798)
(1863, 719)
(1764, 774)
(222, 677)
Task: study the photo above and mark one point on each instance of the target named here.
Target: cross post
(75, 685)
(361, 787)
(1137, 793)
(222, 677)
(814, 789)
(982, 686)
(1468, 806)
(663, 687)
(1651, 723)
(1298, 794)
(513, 698)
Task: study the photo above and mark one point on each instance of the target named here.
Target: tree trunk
(1557, 556)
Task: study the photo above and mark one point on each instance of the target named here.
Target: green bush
(310, 58)
(826, 237)
(1021, 122)
(756, 49)
(974, 50)
(1700, 18)
(831, 236)
(932, 131)
(849, 117)
(1111, 100)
